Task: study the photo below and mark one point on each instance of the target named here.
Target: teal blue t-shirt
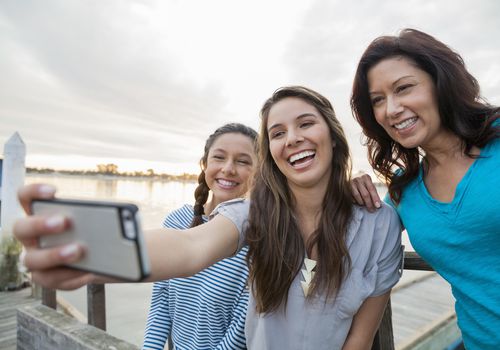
(461, 241)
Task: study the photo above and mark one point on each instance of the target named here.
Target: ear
(203, 165)
(334, 143)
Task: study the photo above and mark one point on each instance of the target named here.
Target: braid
(200, 196)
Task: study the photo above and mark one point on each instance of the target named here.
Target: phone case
(111, 233)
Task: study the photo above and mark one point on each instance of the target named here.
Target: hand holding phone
(109, 231)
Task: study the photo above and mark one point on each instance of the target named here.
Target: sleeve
(237, 211)
(387, 199)
(234, 338)
(158, 322)
(390, 258)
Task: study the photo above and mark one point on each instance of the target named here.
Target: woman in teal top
(436, 144)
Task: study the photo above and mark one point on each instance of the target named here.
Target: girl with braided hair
(214, 300)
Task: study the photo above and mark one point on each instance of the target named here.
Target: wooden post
(413, 261)
(49, 298)
(384, 339)
(13, 171)
(96, 306)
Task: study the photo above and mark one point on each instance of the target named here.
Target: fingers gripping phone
(110, 232)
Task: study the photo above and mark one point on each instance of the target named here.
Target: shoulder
(377, 230)
(385, 213)
(376, 248)
(179, 218)
(492, 148)
(235, 209)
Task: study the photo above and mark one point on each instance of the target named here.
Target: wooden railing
(384, 339)
(96, 305)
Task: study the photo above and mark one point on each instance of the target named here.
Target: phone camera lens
(129, 226)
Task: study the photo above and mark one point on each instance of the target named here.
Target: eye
(377, 100)
(218, 157)
(403, 87)
(244, 162)
(276, 134)
(306, 124)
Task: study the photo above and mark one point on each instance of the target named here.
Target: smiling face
(300, 142)
(404, 102)
(229, 166)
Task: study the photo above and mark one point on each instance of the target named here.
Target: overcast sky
(143, 83)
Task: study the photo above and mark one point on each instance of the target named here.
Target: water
(155, 198)
(126, 304)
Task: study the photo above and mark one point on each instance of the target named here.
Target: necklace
(308, 275)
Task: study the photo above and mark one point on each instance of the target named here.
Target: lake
(126, 304)
(155, 198)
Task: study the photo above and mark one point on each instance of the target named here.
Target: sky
(143, 83)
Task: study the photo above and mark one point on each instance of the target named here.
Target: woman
(435, 143)
(214, 300)
(321, 269)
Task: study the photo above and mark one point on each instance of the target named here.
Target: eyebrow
(395, 82)
(304, 115)
(243, 154)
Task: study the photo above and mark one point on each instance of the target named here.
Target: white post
(13, 172)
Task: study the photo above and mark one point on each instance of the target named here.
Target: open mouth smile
(227, 183)
(301, 158)
(406, 124)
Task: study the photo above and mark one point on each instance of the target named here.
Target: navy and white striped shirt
(204, 311)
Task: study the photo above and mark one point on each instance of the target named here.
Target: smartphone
(111, 233)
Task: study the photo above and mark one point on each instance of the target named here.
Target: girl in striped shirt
(207, 310)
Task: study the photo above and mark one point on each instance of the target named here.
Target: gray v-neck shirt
(374, 243)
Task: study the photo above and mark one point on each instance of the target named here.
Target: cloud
(150, 80)
(82, 81)
(333, 34)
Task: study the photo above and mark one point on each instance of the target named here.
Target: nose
(293, 138)
(393, 107)
(228, 168)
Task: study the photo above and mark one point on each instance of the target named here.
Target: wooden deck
(419, 306)
(9, 302)
(420, 301)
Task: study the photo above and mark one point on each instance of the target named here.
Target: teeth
(300, 155)
(406, 123)
(227, 183)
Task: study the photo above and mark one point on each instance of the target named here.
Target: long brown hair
(201, 192)
(276, 248)
(461, 108)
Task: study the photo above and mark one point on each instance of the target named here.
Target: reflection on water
(155, 198)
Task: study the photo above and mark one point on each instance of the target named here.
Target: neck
(308, 205)
(441, 152)
(210, 206)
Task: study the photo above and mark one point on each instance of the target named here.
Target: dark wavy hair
(201, 192)
(276, 247)
(461, 108)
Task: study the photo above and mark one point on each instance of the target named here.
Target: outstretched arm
(171, 254)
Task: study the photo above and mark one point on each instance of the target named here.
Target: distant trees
(112, 170)
(108, 169)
